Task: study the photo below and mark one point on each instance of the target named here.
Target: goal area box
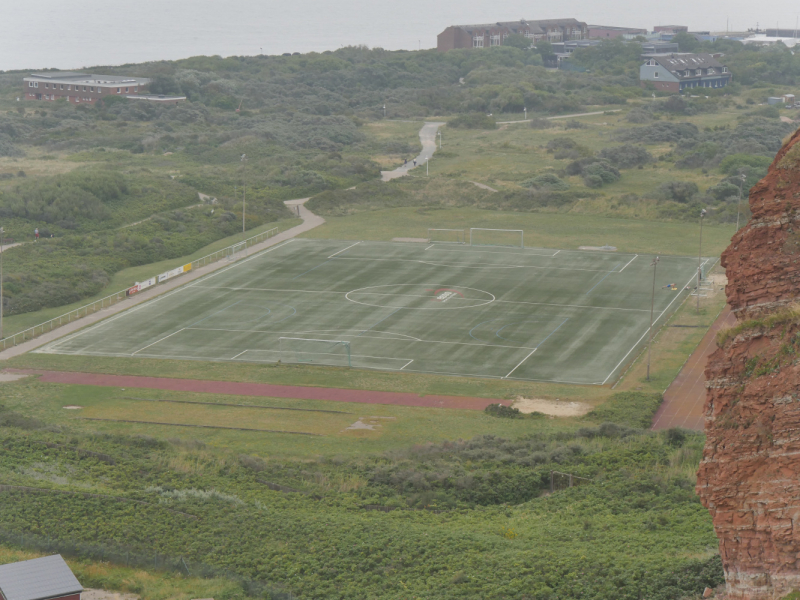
(509, 238)
(310, 351)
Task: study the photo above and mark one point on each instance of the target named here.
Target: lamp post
(742, 178)
(654, 264)
(426, 167)
(243, 160)
(525, 108)
(699, 258)
(384, 111)
(440, 139)
(2, 233)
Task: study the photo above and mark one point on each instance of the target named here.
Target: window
(92, 88)
(119, 90)
(494, 40)
(136, 89)
(30, 84)
(36, 84)
(712, 72)
(724, 69)
(477, 42)
(61, 86)
(655, 74)
(47, 85)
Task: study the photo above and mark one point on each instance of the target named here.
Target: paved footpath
(237, 388)
(310, 221)
(427, 137)
(686, 395)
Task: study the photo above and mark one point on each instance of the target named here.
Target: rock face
(749, 478)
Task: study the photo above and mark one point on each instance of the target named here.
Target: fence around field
(233, 251)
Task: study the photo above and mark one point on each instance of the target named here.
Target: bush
(732, 163)
(542, 124)
(599, 173)
(547, 181)
(502, 411)
(626, 157)
(638, 116)
(677, 191)
(631, 409)
(724, 190)
(473, 121)
(659, 132)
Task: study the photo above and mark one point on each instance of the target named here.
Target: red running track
(236, 388)
(686, 395)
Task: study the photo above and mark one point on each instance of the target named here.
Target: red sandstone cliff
(749, 478)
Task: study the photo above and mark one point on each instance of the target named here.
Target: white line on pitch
(405, 365)
(238, 355)
(573, 305)
(429, 247)
(647, 330)
(520, 362)
(340, 251)
(157, 341)
(557, 251)
(626, 264)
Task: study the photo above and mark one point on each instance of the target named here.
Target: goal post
(446, 236)
(316, 352)
(237, 251)
(513, 238)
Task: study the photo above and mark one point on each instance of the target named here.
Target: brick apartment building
(677, 72)
(607, 32)
(494, 34)
(80, 88)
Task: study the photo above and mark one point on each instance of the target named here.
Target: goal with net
(237, 251)
(446, 236)
(513, 238)
(315, 352)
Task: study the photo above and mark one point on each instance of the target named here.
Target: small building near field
(47, 578)
(80, 88)
(607, 32)
(677, 72)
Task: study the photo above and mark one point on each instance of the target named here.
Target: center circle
(420, 296)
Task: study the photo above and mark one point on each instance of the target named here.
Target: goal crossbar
(482, 236)
(439, 236)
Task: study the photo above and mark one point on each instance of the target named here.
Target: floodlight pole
(699, 258)
(2, 233)
(654, 264)
(426, 167)
(525, 108)
(384, 111)
(243, 160)
(742, 178)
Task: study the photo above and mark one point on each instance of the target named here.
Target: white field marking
(405, 365)
(340, 251)
(252, 289)
(238, 355)
(626, 264)
(401, 335)
(557, 251)
(429, 247)
(466, 251)
(574, 306)
(356, 335)
(168, 294)
(646, 331)
(519, 363)
(469, 265)
(157, 341)
(500, 377)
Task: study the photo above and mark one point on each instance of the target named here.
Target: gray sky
(54, 33)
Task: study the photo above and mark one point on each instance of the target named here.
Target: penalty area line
(157, 341)
(629, 262)
(238, 355)
(519, 364)
(405, 365)
(343, 250)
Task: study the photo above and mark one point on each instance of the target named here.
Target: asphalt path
(427, 136)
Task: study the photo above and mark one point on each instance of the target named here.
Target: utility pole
(699, 258)
(2, 233)
(243, 160)
(742, 178)
(654, 264)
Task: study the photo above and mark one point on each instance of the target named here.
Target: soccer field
(530, 314)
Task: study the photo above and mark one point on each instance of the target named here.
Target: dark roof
(680, 62)
(535, 26)
(38, 579)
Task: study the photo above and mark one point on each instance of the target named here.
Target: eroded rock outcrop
(749, 478)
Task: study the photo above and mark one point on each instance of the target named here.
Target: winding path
(427, 136)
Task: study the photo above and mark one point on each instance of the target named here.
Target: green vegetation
(479, 507)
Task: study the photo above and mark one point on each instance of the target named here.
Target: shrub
(631, 409)
(732, 163)
(677, 191)
(547, 181)
(659, 132)
(600, 173)
(542, 124)
(724, 190)
(626, 157)
(638, 116)
(473, 121)
(573, 124)
(502, 411)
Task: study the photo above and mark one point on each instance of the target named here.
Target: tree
(686, 42)
(517, 40)
(544, 48)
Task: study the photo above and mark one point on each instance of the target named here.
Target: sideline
(310, 221)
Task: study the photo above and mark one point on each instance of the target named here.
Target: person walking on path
(36, 235)
(415, 162)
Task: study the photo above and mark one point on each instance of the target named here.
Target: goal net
(446, 236)
(237, 251)
(496, 237)
(316, 352)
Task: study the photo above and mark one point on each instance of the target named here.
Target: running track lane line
(238, 388)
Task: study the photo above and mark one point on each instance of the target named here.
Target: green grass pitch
(531, 314)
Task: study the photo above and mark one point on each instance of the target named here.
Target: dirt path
(586, 114)
(427, 136)
(310, 221)
(237, 388)
(686, 395)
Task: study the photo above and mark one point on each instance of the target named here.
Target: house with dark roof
(47, 578)
(678, 72)
(494, 34)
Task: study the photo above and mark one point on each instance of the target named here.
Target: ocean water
(37, 34)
